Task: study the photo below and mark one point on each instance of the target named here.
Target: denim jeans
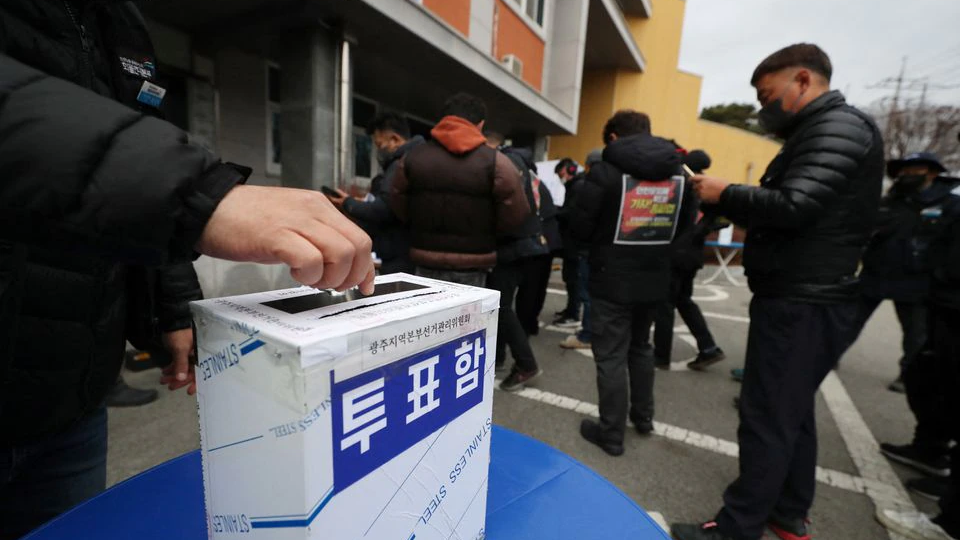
(41, 480)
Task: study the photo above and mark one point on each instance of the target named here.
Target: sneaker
(706, 359)
(122, 395)
(660, 363)
(929, 488)
(737, 374)
(897, 386)
(913, 525)
(936, 463)
(592, 432)
(517, 380)
(789, 529)
(691, 531)
(566, 322)
(572, 342)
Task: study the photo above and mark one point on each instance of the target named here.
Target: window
(533, 9)
(274, 110)
(364, 153)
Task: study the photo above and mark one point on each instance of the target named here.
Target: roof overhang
(610, 44)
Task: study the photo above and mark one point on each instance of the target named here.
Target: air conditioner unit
(513, 64)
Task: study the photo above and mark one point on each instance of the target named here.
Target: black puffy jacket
(93, 191)
(391, 238)
(571, 246)
(620, 272)
(809, 220)
(527, 240)
(896, 263)
(944, 217)
(549, 219)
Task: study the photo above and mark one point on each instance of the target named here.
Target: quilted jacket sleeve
(83, 170)
(827, 154)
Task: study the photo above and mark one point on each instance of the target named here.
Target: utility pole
(893, 115)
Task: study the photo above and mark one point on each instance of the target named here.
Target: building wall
(242, 83)
(455, 12)
(670, 97)
(596, 105)
(481, 24)
(513, 36)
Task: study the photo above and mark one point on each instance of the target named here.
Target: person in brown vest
(458, 196)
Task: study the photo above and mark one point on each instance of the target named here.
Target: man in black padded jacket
(627, 213)
(102, 209)
(807, 224)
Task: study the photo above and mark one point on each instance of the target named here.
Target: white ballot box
(336, 416)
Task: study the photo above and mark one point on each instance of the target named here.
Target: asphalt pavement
(679, 473)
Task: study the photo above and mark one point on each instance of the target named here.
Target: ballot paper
(339, 416)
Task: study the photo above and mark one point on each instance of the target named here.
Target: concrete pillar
(309, 64)
(563, 72)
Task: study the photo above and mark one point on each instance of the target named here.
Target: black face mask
(774, 119)
(911, 182)
(383, 156)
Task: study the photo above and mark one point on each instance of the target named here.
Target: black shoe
(929, 488)
(644, 426)
(660, 363)
(897, 386)
(706, 359)
(592, 432)
(789, 529)
(122, 395)
(564, 321)
(517, 380)
(932, 462)
(702, 531)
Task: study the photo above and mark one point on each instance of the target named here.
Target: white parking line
(883, 485)
(660, 520)
(716, 445)
(726, 317)
(717, 294)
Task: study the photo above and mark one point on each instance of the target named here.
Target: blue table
(535, 492)
(724, 262)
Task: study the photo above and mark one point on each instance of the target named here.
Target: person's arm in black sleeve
(819, 171)
(79, 168)
(377, 211)
(177, 286)
(585, 213)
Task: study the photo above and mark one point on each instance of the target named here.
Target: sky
(724, 40)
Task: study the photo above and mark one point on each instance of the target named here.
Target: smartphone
(330, 192)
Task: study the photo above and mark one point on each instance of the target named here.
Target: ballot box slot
(322, 299)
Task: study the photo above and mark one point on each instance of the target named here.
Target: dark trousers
(571, 278)
(913, 321)
(681, 299)
(532, 293)
(472, 278)
(944, 347)
(791, 348)
(583, 291)
(624, 357)
(506, 278)
(42, 480)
